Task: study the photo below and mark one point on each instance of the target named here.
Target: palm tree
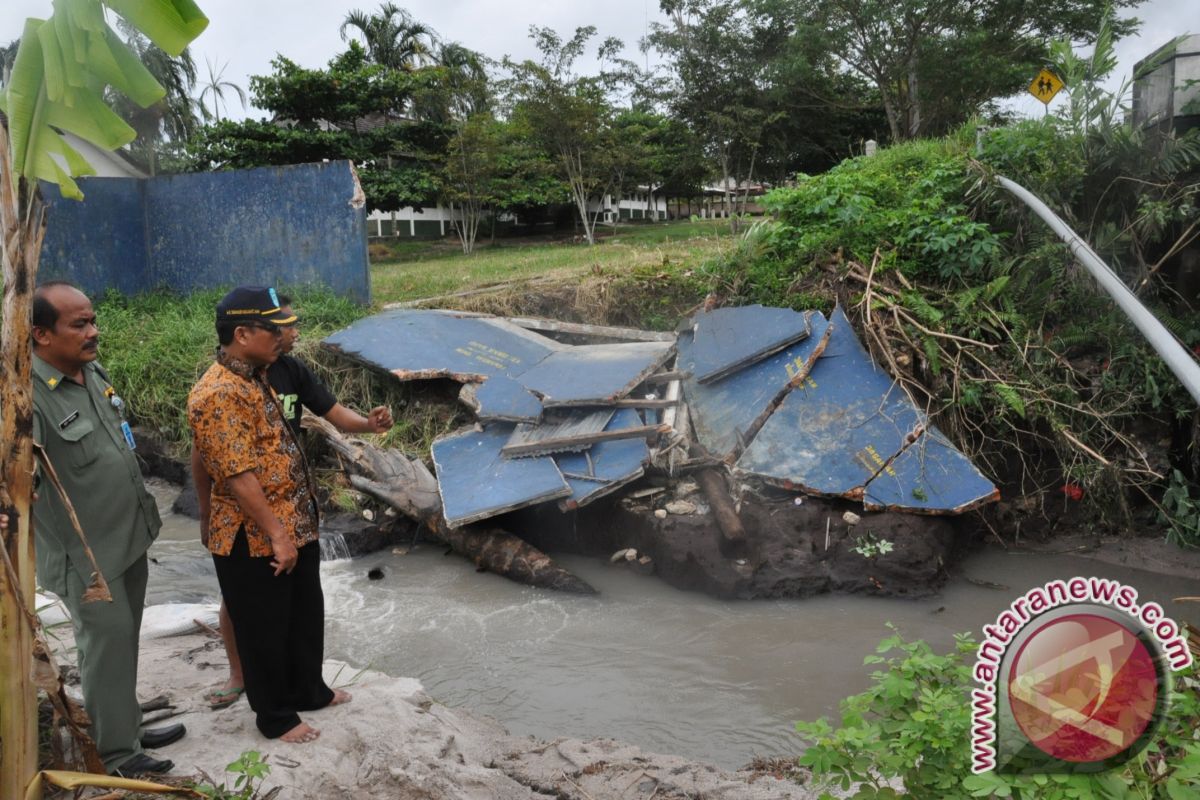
(392, 37)
(215, 85)
(174, 117)
(8, 54)
(466, 74)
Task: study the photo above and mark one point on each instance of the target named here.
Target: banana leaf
(61, 70)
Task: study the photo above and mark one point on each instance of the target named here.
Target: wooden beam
(583, 440)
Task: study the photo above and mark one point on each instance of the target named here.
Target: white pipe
(1173, 353)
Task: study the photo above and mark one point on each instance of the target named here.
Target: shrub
(912, 727)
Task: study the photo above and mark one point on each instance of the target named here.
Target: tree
(58, 77)
(568, 114)
(936, 62)
(350, 110)
(393, 38)
(173, 118)
(8, 54)
(720, 71)
(214, 86)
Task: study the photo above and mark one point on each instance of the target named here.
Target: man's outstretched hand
(380, 420)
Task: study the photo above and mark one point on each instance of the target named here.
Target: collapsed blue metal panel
(98, 243)
(607, 466)
(838, 429)
(726, 340)
(929, 476)
(476, 482)
(292, 226)
(414, 344)
(501, 398)
(594, 374)
(723, 411)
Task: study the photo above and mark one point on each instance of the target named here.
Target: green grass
(430, 269)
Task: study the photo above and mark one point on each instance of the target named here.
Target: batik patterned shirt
(238, 426)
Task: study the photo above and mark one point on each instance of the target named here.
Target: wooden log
(733, 534)
(408, 486)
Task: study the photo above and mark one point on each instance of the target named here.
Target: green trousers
(106, 638)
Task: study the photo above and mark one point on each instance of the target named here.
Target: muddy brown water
(671, 671)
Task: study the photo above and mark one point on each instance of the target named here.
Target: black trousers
(279, 625)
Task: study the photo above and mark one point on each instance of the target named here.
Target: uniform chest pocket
(82, 442)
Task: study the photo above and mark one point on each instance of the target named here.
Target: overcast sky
(249, 33)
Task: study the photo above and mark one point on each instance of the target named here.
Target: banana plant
(62, 69)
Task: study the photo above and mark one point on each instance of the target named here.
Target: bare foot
(340, 696)
(301, 734)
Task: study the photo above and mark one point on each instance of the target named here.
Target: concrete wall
(283, 226)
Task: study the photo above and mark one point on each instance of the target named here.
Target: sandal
(223, 698)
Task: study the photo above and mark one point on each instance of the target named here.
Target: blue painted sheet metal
(726, 340)
(299, 225)
(606, 466)
(594, 374)
(836, 431)
(501, 398)
(930, 476)
(725, 411)
(414, 344)
(476, 482)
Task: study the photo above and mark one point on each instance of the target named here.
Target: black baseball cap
(250, 304)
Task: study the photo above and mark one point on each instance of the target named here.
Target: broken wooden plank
(583, 329)
(560, 432)
(669, 376)
(726, 340)
(581, 442)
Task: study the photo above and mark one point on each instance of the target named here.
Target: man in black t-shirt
(297, 388)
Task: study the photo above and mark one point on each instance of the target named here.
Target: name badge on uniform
(74, 415)
(128, 433)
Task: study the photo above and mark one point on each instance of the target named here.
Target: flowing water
(671, 671)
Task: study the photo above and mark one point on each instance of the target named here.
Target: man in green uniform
(80, 421)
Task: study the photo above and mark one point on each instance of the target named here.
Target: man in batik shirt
(262, 525)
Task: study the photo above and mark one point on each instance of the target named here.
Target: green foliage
(1011, 343)
(248, 771)
(869, 546)
(353, 109)
(910, 732)
(908, 201)
(1181, 511)
(62, 69)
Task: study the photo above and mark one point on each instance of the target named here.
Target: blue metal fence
(299, 225)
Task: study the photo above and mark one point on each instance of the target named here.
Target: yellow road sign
(1045, 86)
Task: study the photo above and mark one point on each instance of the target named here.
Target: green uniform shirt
(81, 431)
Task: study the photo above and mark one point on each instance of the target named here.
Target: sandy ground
(393, 741)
